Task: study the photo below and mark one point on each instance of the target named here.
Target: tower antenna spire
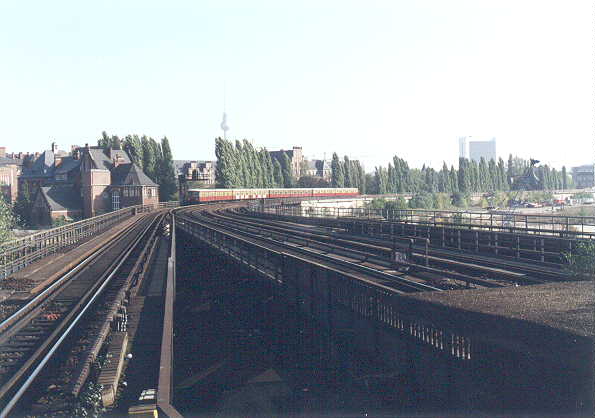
(224, 126)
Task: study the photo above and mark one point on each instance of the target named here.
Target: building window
(150, 191)
(115, 200)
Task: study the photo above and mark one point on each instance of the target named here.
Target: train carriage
(194, 196)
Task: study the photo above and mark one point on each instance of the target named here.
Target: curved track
(405, 263)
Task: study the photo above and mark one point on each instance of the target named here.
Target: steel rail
(412, 285)
(91, 295)
(30, 305)
(335, 249)
(526, 267)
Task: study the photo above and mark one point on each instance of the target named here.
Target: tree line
(347, 173)
(154, 158)
(470, 177)
(239, 164)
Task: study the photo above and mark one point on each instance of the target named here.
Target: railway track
(402, 277)
(76, 310)
(396, 280)
(437, 268)
(517, 272)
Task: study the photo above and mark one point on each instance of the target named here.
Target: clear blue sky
(364, 78)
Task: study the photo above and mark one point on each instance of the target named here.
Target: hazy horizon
(371, 81)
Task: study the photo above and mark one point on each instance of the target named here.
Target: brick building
(55, 202)
(10, 170)
(295, 156)
(110, 181)
(86, 182)
(50, 167)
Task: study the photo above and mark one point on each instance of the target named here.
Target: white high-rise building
(485, 149)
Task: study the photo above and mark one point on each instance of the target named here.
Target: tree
(23, 206)
(288, 180)
(460, 200)
(502, 181)
(149, 158)
(167, 186)
(463, 176)
(453, 179)
(347, 173)
(278, 173)
(363, 183)
(338, 176)
(422, 200)
(7, 220)
(381, 180)
(312, 182)
(564, 178)
(134, 148)
(224, 170)
(510, 171)
(582, 260)
(104, 141)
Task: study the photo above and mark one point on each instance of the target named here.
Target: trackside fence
(17, 254)
(542, 224)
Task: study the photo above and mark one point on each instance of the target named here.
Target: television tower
(224, 126)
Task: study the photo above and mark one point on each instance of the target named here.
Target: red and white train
(193, 196)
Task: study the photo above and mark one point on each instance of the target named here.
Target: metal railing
(567, 226)
(19, 253)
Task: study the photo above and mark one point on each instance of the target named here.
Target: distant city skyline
(390, 77)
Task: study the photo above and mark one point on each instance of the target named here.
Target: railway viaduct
(475, 316)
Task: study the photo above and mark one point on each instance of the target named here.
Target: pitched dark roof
(62, 197)
(130, 174)
(67, 164)
(100, 159)
(43, 166)
(104, 159)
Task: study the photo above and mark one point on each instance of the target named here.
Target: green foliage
(312, 182)
(583, 195)
(167, 174)
(582, 259)
(422, 200)
(441, 201)
(154, 158)
(376, 204)
(460, 200)
(61, 221)
(23, 206)
(288, 180)
(398, 203)
(7, 220)
(277, 173)
(239, 164)
(338, 174)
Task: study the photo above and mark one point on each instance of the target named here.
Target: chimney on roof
(54, 147)
(116, 160)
